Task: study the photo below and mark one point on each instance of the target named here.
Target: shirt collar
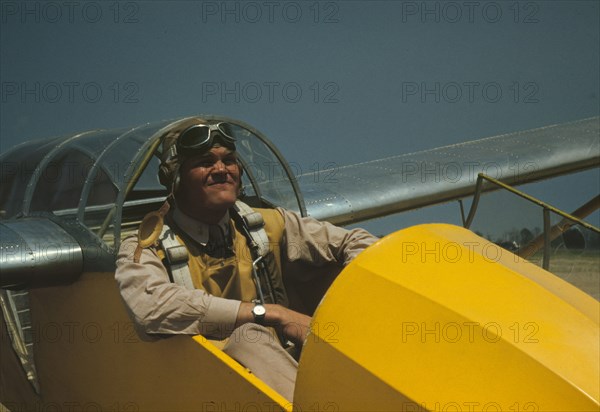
(196, 229)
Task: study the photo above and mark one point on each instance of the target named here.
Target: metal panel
(377, 188)
(37, 250)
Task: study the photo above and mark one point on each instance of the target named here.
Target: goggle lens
(194, 136)
(200, 137)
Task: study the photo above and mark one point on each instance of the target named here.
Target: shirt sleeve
(160, 306)
(311, 241)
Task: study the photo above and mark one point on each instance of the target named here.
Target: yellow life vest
(231, 277)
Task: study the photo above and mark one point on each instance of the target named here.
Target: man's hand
(293, 325)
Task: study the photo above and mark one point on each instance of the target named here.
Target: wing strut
(559, 228)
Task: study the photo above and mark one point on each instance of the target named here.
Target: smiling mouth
(224, 183)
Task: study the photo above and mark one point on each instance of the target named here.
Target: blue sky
(328, 82)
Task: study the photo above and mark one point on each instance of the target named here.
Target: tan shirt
(164, 307)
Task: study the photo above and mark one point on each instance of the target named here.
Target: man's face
(209, 182)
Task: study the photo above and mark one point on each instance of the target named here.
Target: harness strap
(177, 254)
(255, 223)
(177, 257)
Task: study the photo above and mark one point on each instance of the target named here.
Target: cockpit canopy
(107, 180)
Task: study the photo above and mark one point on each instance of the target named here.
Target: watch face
(259, 310)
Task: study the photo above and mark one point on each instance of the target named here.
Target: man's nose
(219, 166)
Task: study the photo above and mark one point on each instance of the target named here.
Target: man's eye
(204, 163)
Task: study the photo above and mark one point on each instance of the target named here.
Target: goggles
(200, 138)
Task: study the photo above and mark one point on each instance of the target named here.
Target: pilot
(208, 264)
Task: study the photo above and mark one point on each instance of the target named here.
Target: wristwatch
(259, 312)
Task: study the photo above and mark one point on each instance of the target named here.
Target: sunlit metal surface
(34, 249)
(395, 184)
(15, 309)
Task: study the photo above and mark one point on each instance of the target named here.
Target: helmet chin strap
(176, 181)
